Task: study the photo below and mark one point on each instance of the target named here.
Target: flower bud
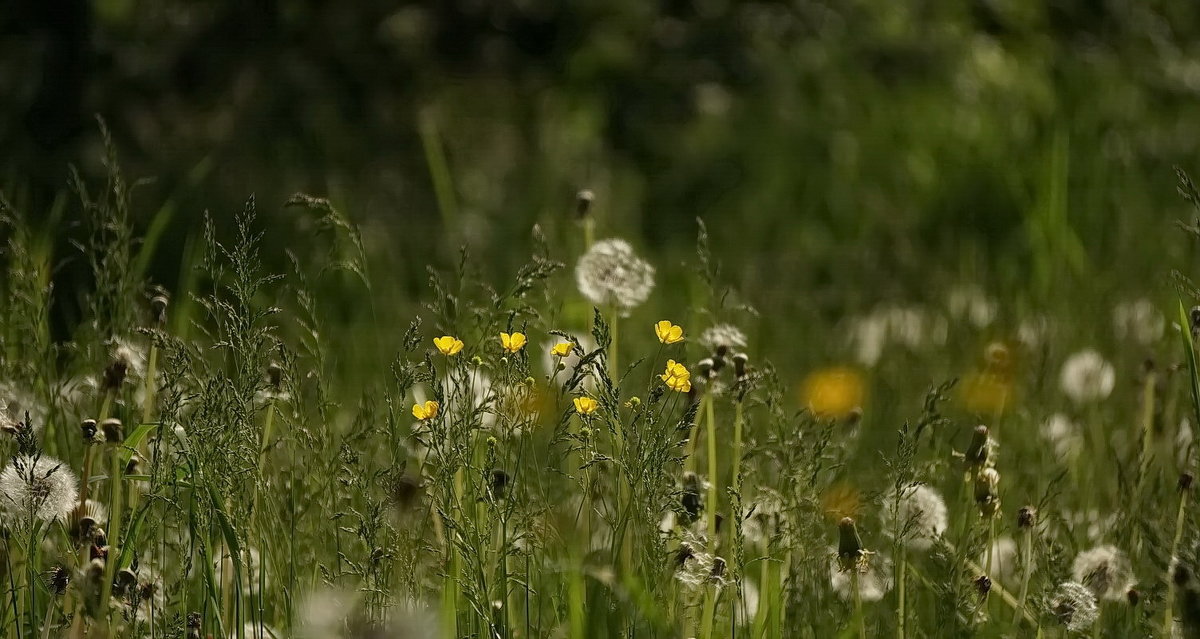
(583, 203)
(983, 585)
(1185, 481)
(980, 451)
(850, 548)
(739, 364)
(986, 496)
(275, 376)
(114, 432)
(88, 430)
(158, 306)
(1026, 517)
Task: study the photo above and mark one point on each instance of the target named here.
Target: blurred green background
(843, 154)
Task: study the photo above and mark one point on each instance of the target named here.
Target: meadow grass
(555, 452)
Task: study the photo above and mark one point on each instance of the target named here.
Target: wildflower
(426, 411)
(561, 349)
(586, 405)
(987, 392)
(833, 392)
(677, 377)
(668, 333)
(611, 274)
(1062, 434)
(512, 343)
(448, 345)
(1139, 321)
(1087, 377)
(41, 487)
(1074, 606)
(921, 513)
(1105, 571)
(722, 338)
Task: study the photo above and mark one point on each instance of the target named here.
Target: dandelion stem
(1169, 604)
(710, 608)
(859, 620)
(710, 507)
(1026, 571)
(114, 530)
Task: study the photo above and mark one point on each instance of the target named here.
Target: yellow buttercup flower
(586, 405)
(561, 349)
(426, 411)
(668, 333)
(834, 392)
(677, 377)
(448, 345)
(512, 343)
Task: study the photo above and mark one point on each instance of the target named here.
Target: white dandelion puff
(874, 577)
(1105, 571)
(611, 274)
(1004, 559)
(971, 304)
(42, 487)
(922, 515)
(1062, 434)
(1087, 377)
(1139, 321)
(723, 337)
(16, 405)
(1074, 606)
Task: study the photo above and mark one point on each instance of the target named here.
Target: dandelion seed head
(611, 274)
(15, 404)
(1004, 559)
(1062, 434)
(922, 515)
(1138, 320)
(42, 487)
(723, 337)
(1105, 571)
(971, 304)
(130, 353)
(1074, 606)
(874, 578)
(1087, 377)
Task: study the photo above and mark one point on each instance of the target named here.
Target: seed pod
(739, 364)
(718, 569)
(498, 485)
(114, 432)
(583, 203)
(88, 430)
(983, 585)
(692, 499)
(114, 374)
(850, 547)
(979, 453)
(1026, 517)
(986, 496)
(124, 582)
(158, 306)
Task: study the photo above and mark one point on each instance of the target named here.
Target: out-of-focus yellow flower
(586, 405)
(561, 349)
(987, 393)
(668, 333)
(426, 411)
(512, 343)
(834, 392)
(841, 500)
(448, 345)
(677, 377)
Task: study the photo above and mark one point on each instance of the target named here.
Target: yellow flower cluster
(677, 377)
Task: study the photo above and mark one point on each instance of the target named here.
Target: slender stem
(1169, 606)
(710, 507)
(859, 620)
(114, 527)
(901, 579)
(1026, 571)
(710, 608)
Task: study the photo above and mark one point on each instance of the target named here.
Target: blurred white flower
(1074, 606)
(971, 304)
(1139, 321)
(1105, 571)
(874, 577)
(908, 326)
(1005, 560)
(723, 336)
(1087, 377)
(611, 274)
(1062, 434)
(922, 515)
